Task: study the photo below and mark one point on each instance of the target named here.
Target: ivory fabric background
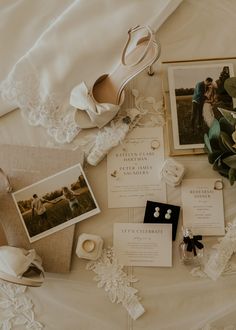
(173, 299)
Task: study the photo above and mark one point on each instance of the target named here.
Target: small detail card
(133, 169)
(138, 244)
(203, 208)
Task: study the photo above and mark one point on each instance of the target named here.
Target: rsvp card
(203, 209)
(139, 244)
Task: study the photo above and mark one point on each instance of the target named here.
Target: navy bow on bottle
(192, 243)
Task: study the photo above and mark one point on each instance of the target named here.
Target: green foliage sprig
(220, 141)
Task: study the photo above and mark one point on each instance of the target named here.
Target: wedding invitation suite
(203, 209)
(133, 169)
(138, 244)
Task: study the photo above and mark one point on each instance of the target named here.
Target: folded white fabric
(66, 42)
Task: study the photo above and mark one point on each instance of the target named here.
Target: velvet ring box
(156, 212)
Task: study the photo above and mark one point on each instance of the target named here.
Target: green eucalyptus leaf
(225, 126)
(222, 147)
(218, 163)
(227, 142)
(230, 86)
(207, 143)
(215, 144)
(220, 167)
(223, 171)
(228, 115)
(230, 161)
(214, 130)
(213, 156)
(232, 176)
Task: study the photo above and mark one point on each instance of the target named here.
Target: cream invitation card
(133, 169)
(203, 209)
(139, 244)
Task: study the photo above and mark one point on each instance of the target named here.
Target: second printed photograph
(196, 93)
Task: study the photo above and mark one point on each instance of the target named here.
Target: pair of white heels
(99, 105)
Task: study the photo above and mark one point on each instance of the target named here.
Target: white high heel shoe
(99, 105)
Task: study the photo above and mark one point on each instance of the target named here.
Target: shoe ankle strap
(130, 32)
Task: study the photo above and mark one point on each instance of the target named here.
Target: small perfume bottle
(190, 249)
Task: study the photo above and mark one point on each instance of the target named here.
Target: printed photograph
(196, 93)
(55, 202)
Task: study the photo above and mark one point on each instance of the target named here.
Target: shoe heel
(150, 71)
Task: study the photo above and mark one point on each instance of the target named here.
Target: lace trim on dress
(17, 308)
(116, 282)
(23, 89)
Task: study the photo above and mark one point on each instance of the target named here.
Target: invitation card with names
(133, 169)
(203, 208)
(139, 244)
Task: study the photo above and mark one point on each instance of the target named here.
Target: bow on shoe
(99, 114)
(193, 242)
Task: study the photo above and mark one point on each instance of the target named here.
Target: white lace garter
(116, 282)
(218, 261)
(16, 308)
(111, 136)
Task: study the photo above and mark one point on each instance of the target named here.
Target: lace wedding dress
(47, 60)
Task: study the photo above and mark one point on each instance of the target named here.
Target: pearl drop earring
(156, 213)
(168, 214)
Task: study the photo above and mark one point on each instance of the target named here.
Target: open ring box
(89, 246)
(156, 212)
(172, 172)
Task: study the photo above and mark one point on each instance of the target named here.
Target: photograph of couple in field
(196, 93)
(55, 203)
